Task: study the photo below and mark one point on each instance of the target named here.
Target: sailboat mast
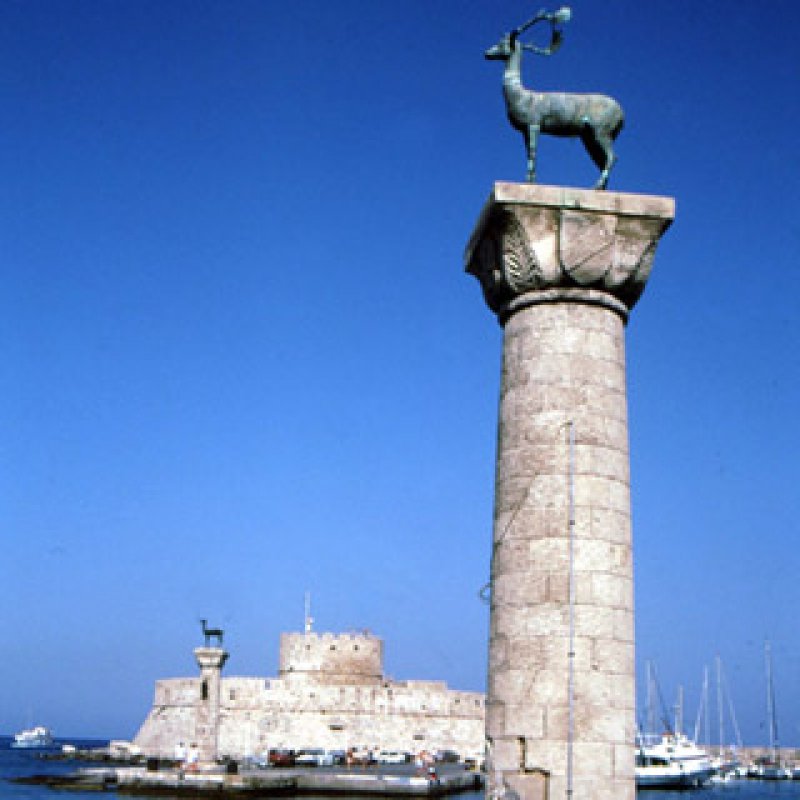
(707, 708)
(650, 710)
(679, 713)
(732, 711)
(701, 709)
(719, 705)
(773, 725)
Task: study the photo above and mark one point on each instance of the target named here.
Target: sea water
(20, 763)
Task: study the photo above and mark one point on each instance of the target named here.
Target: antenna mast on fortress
(309, 619)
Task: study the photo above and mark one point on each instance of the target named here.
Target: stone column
(561, 268)
(210, 660)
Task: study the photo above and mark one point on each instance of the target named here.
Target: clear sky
(241, 359)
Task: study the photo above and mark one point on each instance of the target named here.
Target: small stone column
(561, 268)
(210, 660)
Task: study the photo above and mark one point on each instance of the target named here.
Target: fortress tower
(562, 268)
(327, 658)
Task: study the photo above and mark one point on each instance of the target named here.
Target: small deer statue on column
(595, 118)
(211, 633)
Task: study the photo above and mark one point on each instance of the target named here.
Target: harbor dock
(139, 780)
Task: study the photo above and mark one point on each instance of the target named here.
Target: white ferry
(33, 737)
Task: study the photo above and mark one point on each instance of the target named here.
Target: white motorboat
(672, 761)
(33, 738)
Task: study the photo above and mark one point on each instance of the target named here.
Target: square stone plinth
(532, 238)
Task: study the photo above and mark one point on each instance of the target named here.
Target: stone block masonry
(562, 268)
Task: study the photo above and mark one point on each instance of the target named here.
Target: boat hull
(31, 745)
(671, 777)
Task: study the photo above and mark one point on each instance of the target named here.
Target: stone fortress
(330, 692)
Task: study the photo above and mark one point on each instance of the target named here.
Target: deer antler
(555, 43)
(564, 14)
(538, 17)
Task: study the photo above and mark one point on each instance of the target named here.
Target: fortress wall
(409, 722)
(257, 714)
(177, 691)
(242, 734)
(391, 716)
(244, 693)
(292, 696)
(172, 718)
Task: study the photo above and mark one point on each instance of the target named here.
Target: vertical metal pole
(309, 621)
(571, 652)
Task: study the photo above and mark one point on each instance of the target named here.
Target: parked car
(256, 762)
(392, 757)
(279, 757)
(447, 756)
(360, 757)
(313, 757)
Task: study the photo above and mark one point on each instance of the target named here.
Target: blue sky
(242, 360)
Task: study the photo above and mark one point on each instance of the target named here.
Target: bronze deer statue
(595, 118)
(211, 633)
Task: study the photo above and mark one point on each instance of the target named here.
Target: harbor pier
(221, 780)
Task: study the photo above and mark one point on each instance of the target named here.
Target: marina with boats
(673, 760)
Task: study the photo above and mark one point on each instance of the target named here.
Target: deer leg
(531, 142)
(611, 159)
(600, 147)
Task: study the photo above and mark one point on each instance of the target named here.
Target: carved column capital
(536, 244)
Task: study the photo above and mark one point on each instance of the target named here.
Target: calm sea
(15, 763)
(18, 763)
